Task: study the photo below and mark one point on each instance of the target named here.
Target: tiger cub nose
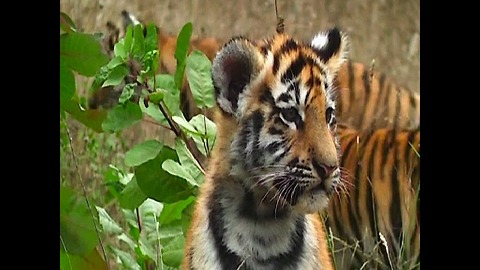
(323, 170)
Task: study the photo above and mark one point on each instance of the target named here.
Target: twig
(85, 194)
(66, 252)
(179, 133)
(138, 220)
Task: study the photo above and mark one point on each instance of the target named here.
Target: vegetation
(130, 204)
(137, 216)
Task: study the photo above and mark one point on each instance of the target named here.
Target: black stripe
(395, 206)
(275, 131)
(228, 259)
(370, 206)
(264, 49)
(248, 210)
(257, 123)
(295, 87)
(266, 96)
(351, 212)
(291, 258)
(293, 162)
(289, 45)
(283, 97)
(366, 85)
(387, 147)
(273, 147)
(355, 206)
(282, 155)
(351, 82)
(413, 105)
(292, 72)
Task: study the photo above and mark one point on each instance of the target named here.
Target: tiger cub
(275, 162)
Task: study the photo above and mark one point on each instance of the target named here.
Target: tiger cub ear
(234, 67)
(332, 47)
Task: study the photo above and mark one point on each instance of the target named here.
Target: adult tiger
(368, 99)
(383, 168)
(275, 160)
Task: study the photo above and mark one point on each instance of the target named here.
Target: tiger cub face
(277, 118)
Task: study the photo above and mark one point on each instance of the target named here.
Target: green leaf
(120, 51)
(188, 161)
(173, 211)
(111, 178)
(67, 82)
(151, 38)
(187, 214)
(116, 61)
(127, 92)
(199, 74)
(174, 168)
(76, 224)
(123, 237)
(90, 261)
(128, 40)
(149, 241)
(208, 131)
(142, 152)
(132, 196)
(151, 208)
(99, 78)
(172, 101)
(147, 249)
(185, 125)
(157, 96)
(159, 185)
(90, 118)
(153, 111)
(108, 224)
(204, 126)
(126, 259)
(116, 75)
(82, 53)
(164, 81)
(183, 44)
(169, 100)
(173, 252)
(138, 48)
(150, 62)
(66, 24)
(122, 116)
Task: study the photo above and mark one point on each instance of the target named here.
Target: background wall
(387, 31)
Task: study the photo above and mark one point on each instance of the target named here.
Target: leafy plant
(157, 184)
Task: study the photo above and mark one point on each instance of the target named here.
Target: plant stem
(97, 231)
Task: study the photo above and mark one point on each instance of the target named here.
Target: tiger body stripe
(383, 167)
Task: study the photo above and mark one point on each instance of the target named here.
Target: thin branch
(97, 231)
(179, 133)
(138, 220)
(66, 252)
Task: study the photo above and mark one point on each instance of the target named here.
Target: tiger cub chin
(275, 162)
